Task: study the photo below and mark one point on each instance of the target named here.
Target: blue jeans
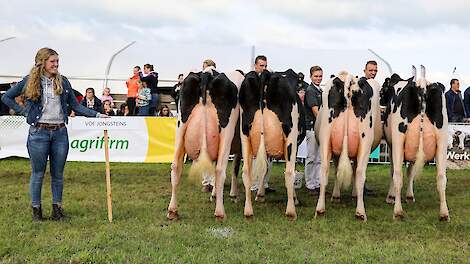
(154, 104)
(43, 143)
(144, 110)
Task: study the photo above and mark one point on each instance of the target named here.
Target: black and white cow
(270, 112)
(415, 126)
(209, 112)
(348, 127)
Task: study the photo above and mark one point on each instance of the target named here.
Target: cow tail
(203, 165)
(344, 171)
(420, 159)
(261, 160)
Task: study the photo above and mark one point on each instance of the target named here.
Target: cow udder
(194, 132)
(274, 138)
(337, 134)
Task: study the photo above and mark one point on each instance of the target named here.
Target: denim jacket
(33, 109)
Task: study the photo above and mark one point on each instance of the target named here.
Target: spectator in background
(91, 101)
(466, 103)
(370, 70)
(107, 96)
(208, 63)
(123, 110)
(261, 64)
(151, 78)
(143, 99)
(132, 89)
(107, 109)
(165, 112)
(176, 91)
(454, 103)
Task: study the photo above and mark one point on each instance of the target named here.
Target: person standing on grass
(313, 101)
(47, 95)
(370, 71)
(261, 64)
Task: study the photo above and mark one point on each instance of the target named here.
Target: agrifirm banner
(151, 139)
(131, 139)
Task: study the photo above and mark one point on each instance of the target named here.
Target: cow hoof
(296, 201)
(233, 198)
(319, 213)
(219, 218)
(260, 198)
(410, 199)
(212, 198)
(444, 218)
(390, 199)
(361, 217)
(249, 217)
(335, 199)
(291, 216)
(398, 216)
(172, 215)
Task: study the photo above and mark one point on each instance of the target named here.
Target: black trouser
(131, 105)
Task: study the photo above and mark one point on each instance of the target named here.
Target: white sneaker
(298, 179)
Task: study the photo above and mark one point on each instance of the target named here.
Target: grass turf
(140, 232)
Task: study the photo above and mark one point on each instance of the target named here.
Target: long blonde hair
(33, 86)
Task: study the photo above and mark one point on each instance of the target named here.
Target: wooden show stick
(108, 177)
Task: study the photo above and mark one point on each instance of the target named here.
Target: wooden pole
(108, 177)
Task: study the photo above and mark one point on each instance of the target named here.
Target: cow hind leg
(226, 137)
(261, 193)
(397, 156)
(390, 199)
(247, 175)
(410, 197)
(234, 184)
(353, 179)
(220, 179)
(441, 178)
(336, 196)
(176, 171)
(289, 175)
(325, 164)
(360, 179)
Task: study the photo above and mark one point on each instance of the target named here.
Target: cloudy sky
(176, 36)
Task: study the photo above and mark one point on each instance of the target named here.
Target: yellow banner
(161, 139)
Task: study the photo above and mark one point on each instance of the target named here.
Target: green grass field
(140, 232)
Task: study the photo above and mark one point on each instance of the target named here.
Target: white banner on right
(458, 149)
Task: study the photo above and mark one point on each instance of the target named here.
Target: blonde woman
(47, 94)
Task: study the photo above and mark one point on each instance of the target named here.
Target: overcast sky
(176, 36)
